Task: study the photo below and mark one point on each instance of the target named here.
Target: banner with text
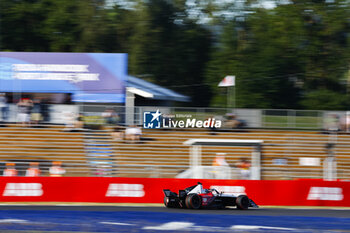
(149, 190)
(89, 77)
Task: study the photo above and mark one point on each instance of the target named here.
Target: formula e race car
(195, 197)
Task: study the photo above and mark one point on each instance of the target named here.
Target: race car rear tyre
(193, 201)
(168, 203)
(242, 202)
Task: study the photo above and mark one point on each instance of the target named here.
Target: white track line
(10, 220)
(170, 226)
(117, 223)
(249, 227)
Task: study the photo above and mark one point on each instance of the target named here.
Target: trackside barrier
(149, 190)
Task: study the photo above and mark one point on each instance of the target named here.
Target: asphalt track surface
(262, 211)
(35, 219)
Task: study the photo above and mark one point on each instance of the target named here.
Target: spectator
(4, 107)
(330, 163)
(212, 128)
(220, 160)
(73, 122)
(33, 170)
(332, 123)
(68, 118)
(221, 169)
(117, 133)
(10, 170)
(45, 110)
(79, 122)
(347, 121)
(232, 122)
(56, 170)
(244, 167)
(133, 133)
(344, 122)
(36, 115)
(110, 116)
(24, 108)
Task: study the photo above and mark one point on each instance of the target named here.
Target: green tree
(20, 25)
(281, 55)
(170, 49)
(64, 26)
(325, 100)
(61, 26)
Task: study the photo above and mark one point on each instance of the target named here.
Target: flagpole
(231, 97)
(228, 82)
(234, 98)
(228, 98)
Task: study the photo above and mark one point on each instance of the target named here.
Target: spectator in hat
(133, 133)
(10, 170)
(33, 170)
(56, 170)
(24, 108)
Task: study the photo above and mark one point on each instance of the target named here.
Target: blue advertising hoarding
(89, 77)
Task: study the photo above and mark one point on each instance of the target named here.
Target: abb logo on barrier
(23, 190)
(235, 190)
(326, 194)
(125, 190)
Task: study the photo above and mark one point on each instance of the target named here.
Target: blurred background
(285, 54)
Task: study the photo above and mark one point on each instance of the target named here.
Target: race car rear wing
(169, 193)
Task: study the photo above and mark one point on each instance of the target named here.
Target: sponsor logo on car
(23, 190)
(235, 190)
(125, 190)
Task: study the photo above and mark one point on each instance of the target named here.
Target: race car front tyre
(193, 201)
(242, 202)
(168, 203)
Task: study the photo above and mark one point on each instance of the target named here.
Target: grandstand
(161, 153)
(168, 156)
(22, 145)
